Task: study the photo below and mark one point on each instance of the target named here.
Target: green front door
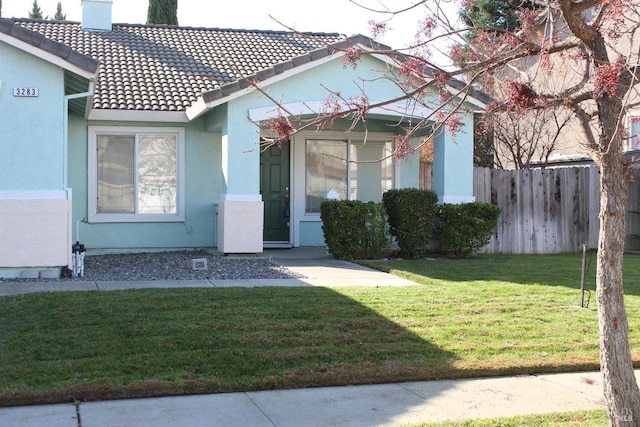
(274, 188)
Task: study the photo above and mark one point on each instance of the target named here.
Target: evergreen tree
(163, 12)
(501, 15)
(59, 16)
(36, 12)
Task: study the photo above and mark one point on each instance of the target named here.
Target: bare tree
(522, 142)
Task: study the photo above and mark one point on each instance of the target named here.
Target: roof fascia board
(46, 56)
(138, 116)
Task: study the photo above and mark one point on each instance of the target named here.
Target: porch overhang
(394, 111)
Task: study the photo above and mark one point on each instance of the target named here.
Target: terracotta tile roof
(158, 68)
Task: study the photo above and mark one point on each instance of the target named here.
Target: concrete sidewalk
(372, 405)
(316, 267)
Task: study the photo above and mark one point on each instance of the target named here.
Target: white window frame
(92, 179)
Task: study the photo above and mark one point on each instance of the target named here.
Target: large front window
(135, 174)
(355, 170)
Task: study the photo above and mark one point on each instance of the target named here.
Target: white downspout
(65, 128)
(65, 161)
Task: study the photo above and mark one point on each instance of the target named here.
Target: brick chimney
(96, 15)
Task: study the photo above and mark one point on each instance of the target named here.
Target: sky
(327, 16)
(341, 16)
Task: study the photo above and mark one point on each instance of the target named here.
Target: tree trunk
(620, 386)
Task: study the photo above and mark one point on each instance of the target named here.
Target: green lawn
(490, 315)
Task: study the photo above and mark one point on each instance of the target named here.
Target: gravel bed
(173, 266)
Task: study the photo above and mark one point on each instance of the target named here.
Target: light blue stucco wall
(311, 234)
(408, 170)
(203, 183)
(31, 129)
(240, 146)
(317, 82)
(453, 163)
(96, 14)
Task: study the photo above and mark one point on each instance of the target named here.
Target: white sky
(328, 16)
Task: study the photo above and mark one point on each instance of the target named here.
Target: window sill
(139, 218)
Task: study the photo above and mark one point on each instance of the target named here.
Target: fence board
(548, 210)
(632, 241)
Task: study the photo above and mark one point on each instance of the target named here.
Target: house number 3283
(26, 91)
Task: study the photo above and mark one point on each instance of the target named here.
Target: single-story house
(147, 138)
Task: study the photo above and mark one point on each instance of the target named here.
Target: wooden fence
(548, 210)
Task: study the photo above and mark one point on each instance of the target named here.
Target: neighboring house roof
(164, 68)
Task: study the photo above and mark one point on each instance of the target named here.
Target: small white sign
(332, 195)
(26, 91)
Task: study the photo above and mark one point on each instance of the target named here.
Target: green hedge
(464, 229)
(411, 214)
(354, 229)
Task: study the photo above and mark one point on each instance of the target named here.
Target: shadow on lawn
(66, 346)
(552, 270)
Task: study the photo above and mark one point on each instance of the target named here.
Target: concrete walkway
(373, 405)
(318, 269)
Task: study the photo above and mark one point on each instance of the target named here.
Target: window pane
(326, 169)
(115, 174)
(371, 170)
(157, 174)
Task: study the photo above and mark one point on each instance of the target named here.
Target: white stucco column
(240, 211)
(453, 163)
(240, 223)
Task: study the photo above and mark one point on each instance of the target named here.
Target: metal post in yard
(584, 259)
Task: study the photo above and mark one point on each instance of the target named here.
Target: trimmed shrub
(354, 229)
(464, 229)
(412, 215)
